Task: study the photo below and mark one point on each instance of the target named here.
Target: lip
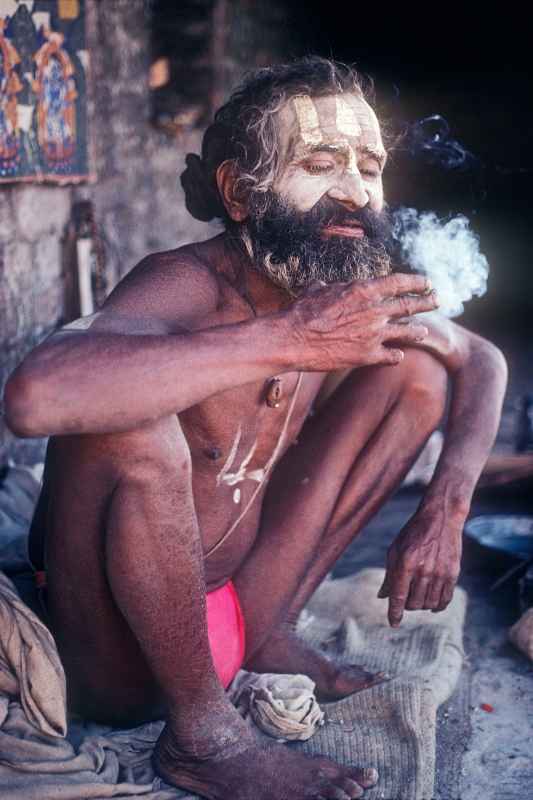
(354, 231)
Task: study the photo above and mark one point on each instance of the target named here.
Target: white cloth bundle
(283, 706)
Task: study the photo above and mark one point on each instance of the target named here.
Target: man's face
(325, 215)
(331, 147)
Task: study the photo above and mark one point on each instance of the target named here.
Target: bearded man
(228, 422)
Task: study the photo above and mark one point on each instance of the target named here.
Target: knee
(425, 385)
(154, 452)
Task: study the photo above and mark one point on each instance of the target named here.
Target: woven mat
(390, 727)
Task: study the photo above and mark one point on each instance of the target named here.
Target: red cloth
(226, 632)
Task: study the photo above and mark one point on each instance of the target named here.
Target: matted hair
(244, 129)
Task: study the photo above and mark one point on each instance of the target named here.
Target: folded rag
(283, 706)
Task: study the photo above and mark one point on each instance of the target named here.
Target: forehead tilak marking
(347, 122)
(307, 117)
(311, 132)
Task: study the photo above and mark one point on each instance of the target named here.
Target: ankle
(212, 734)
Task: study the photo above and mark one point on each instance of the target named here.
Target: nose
(350, 191)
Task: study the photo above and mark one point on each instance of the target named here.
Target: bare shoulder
(171, 286)
(167, 292)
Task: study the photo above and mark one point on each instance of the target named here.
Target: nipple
(213, 453)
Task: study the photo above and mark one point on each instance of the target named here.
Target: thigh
(108, 677)
(348, 458)
(351, 410)
(350, 407)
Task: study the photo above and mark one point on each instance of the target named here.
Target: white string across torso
(265, 470)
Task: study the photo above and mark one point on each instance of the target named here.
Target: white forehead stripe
(347, 122)
(307, 116)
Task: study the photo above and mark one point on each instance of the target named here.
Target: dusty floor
(481, 755)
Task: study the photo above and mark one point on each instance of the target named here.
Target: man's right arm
(141, 358)
(130, 369)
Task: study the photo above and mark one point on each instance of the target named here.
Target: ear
(234, 203)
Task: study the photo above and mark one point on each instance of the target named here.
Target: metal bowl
(508, 534)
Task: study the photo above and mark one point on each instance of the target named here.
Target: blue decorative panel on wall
(43, 114)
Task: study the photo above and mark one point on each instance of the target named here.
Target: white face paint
(307, 117)
(347, 121)
(331, 146)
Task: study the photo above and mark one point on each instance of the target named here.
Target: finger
(433, 593)
(408, 304)
(405, 332)
(389, 356)
(398, 598)
(400, 283)
(446, 595)
(417, 594)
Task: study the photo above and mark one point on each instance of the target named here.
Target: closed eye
(319, 169)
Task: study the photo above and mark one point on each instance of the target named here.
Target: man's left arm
(423, 562)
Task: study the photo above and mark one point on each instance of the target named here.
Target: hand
(351, 324)
(423, 564)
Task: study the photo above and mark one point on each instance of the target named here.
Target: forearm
(107, 382)
(478, 389)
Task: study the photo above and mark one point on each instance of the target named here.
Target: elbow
(488, 358)
(20, 405)
(498, 362)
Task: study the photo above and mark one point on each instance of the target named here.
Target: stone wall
(137, 198)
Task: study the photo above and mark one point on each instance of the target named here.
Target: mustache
(330, 212)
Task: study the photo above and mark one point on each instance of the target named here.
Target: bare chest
(236, 439)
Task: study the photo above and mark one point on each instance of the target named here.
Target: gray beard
(362, 260)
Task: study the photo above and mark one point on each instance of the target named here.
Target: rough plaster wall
(137, 197)
(32, 220)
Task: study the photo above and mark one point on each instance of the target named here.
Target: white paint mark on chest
(242, 473)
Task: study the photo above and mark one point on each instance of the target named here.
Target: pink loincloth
(226, 632)
(225, 628)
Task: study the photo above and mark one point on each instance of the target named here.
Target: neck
(264, 295)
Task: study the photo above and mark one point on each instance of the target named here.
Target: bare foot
(257, 769)
(286, 652)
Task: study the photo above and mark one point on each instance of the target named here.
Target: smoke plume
(430, 139)
(447, 251)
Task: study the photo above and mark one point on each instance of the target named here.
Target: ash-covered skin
(324, 218)
(344, 164)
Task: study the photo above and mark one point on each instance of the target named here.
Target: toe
(336, 793)
(366, 679)
(364, 776)
(380, 677)
(352, 788)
